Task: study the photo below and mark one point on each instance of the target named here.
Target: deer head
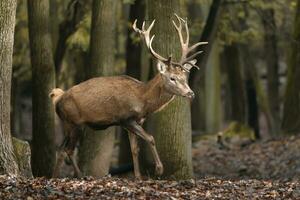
(174, 74)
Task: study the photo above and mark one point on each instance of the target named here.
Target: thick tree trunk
(43, 76)
(133, 69)
(237, 92)
(272, 58)
(68, 26)
(291, 117)
(8, 164)
(213, 91)
(172, 126)
(96, 146)
(255, 95)
(198, 77)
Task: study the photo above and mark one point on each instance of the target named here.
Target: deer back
(103, 101)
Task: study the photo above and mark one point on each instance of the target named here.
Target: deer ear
(188, 66)
(161, 67)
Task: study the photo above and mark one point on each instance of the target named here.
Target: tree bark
(8, 164)
(133, 69)
(197, 79)
(96, 146)
(213, 91)
(43, 76)
(236, 83)
(67, 27)
(255, 96)
(172, 126)
(272, 58)
(291, 117)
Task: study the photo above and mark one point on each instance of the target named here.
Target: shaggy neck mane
(156, 97)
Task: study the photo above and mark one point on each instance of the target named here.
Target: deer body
(106, 101)
(121, 100)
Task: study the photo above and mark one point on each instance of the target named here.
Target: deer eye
(173, 79)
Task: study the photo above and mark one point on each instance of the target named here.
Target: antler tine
(186, 30)
(192, 65)
(196, 45)
(145, 33)
(179, 29)
(193, 56)
(135, 28)
(156, 55)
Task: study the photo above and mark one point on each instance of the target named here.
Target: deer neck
(155, 96)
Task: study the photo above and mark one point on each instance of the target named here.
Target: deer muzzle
(190, 94)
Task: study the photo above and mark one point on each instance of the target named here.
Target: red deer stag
(121, 100)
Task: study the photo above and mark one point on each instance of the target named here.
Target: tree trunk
(197, 79)
(213, 91)
(67, 27)
(133, 69)
(172, 126)
(43, 76)
(255, 95)
(8, 164)
(291, 117)
(236, 84)
(96, 146)
(272, 58)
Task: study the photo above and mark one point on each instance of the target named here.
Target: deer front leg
(70, 147)
(135, 128)
(60, 157)
(135, 154)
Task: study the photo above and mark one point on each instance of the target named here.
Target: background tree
(8, 164)
(197, 78)
(172, 126)
(291, 117)
(236, 85)
(96, 146)
(43, 77)
(272, 60)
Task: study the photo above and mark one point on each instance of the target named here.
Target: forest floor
(260, 170)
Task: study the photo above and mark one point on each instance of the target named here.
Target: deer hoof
(138, 178)
(78, 175)
(159, 169)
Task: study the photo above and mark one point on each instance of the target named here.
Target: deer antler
(146, 35)
(185, 44)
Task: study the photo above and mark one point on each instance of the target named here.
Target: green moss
(22, 154)
(237, 129)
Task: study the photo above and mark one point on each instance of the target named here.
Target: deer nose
(190, 94)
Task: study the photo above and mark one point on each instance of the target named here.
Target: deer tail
(56, 95)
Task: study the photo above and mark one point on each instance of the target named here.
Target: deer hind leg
(135, 128)
(135, 154)
(70, 147)
(60, 157)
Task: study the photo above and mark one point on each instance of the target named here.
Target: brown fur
(105, 101)
(55, 95)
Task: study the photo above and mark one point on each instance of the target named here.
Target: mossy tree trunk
(43, 76)
(272, 58)
(197, 78)
(291, 117)
(8, 164)
(96, 146)
(171, 126)
(237, 94)
(133, 69)
(255, 95)
(213, 91)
